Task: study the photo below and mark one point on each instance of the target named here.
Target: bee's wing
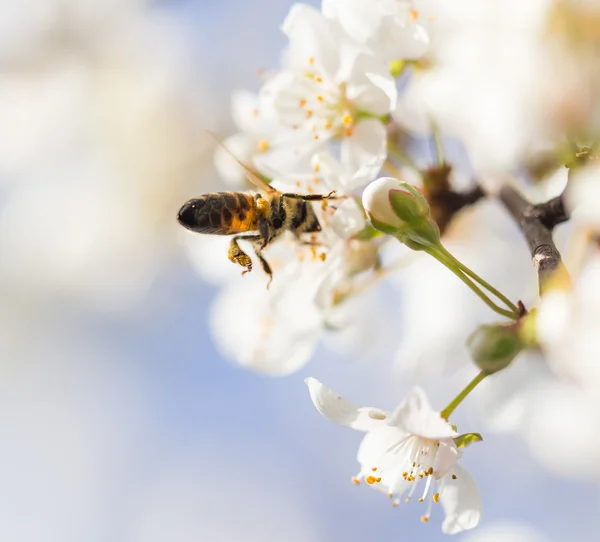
(251, 175)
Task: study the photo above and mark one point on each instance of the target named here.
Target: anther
(320, 98)
(371, 480)
(414, 14)
(308, 113)
(347, 119)
(318, 79)
(302, 102)
(454, 476)
(424, 519)
(373, 469)
(355, 481)
(263, 145)
(436, 498)
(311, 59)
(421, 499)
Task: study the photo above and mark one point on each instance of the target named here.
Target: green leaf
(462, 441)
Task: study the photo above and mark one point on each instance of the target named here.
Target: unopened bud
(399, 209)
(493, 347)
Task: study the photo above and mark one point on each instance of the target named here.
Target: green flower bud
(493, 347)
(399, 209)
(408, 203)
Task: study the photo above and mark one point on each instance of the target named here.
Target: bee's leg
(237, 255)
(266, 268)
(312, 197)
(264, 227)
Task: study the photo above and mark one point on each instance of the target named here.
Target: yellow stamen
(302, 102)
(414, 14)
(317, 167)
(318, 79)
(323, 257)
(436, 497)
(320, 98)
(421, 499)
(454, 476)
(371, 480)
(328, 124)
(308, 113)
(373, 469)
(263, 145)
(311, 59)
(355, 481)
(424, 519)
(347, 119)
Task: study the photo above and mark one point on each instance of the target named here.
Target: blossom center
(322, 107)
(403, 466)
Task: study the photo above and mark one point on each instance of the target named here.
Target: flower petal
(416, 416)
(312, 41)
(363, 153)
(348, 219)
(370, 87)
(382, 449)
(461, 501)
(448, 455)
(340, 411)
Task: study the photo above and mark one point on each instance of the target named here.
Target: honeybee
(264, 216)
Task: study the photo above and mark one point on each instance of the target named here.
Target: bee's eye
(187, 215)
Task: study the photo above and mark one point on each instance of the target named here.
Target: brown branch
(446, 203)
(536, 223)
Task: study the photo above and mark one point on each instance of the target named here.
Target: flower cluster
(361, 84)
(319, 123)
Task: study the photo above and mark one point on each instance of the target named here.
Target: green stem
(441, 257)
(482, 282)
(462, 395)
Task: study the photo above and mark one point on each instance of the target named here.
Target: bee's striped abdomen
(220, 213)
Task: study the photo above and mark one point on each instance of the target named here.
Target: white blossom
(326, 90)
(390, 28)
(567, 326)
(409, 447)
(583, 196)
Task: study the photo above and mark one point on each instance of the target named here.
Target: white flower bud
(376, 202)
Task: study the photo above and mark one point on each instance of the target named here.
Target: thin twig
(536, 223)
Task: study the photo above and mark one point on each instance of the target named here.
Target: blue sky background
(127, 426)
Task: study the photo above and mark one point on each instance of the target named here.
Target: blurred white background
(118, 420)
